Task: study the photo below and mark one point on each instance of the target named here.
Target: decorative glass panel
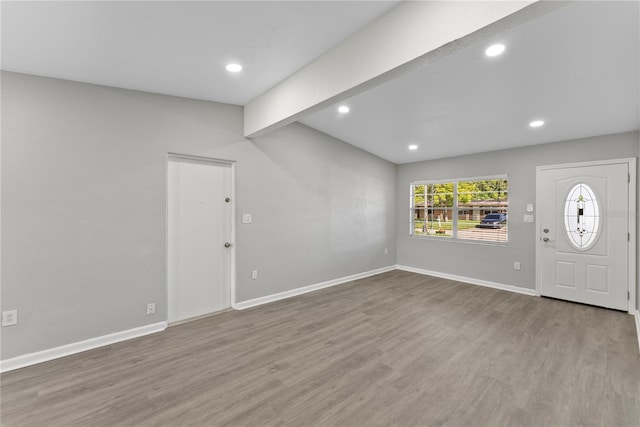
(581, 216)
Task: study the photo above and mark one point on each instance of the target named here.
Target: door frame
(631, 217)
(232, 255)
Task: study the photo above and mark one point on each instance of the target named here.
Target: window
(464, 209)
(581, 216)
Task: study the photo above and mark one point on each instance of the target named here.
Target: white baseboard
(299, 291)
(77, 347)
(73, 348)
(470, 280)
(637, 316)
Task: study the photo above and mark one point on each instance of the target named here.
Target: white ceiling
(177, 47)
(577, 68)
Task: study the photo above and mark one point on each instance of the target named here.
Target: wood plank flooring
(397, 349)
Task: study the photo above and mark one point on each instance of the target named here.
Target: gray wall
(491, 262)
(83, 206)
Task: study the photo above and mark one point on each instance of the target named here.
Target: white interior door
(583, 245)
(199, 226)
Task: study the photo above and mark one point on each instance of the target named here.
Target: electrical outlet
(10, 318)
(516, 265)
(246, 219)
(151, 308)
(254, 274)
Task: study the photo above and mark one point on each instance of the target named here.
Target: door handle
(545, 239)
(227, 245)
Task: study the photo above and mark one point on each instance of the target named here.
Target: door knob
(227, 245)
(546, 239)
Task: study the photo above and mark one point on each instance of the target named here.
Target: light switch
(9, 318)
(529, 207)
(528, 218)
(246, 218)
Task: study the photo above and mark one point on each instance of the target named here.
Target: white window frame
(455, 209)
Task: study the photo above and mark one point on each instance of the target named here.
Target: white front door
(199, 226)
(583, 237)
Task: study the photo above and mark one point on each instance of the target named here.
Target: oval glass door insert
(581, 216)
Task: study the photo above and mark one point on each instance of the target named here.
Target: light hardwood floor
(394, 349)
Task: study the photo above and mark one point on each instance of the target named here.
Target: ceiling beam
(410, 35)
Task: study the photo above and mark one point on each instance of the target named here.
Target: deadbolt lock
(546, 230)
(227, 199)
(227, 245)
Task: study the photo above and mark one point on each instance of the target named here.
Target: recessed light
(413, 147)
(536, 123)
(343, 109)
(234, 68)
(494, 50)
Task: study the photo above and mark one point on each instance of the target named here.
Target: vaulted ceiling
(577, 69)
(573, 65)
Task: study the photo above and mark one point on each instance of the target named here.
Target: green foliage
(441, 195)
(418, 194)
(492, 189)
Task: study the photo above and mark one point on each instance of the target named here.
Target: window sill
(458, 240)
